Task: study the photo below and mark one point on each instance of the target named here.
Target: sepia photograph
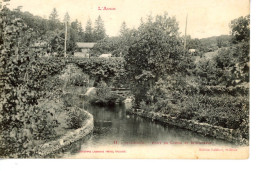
(124, 79)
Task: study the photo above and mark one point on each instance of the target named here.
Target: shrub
(42, 124)
(75, 118)
(108, 70)
(79, 80)
(229, 67)
(105, 97)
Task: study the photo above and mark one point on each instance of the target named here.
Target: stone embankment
(69, 138)
(230, 135)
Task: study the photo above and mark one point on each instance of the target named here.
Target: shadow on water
(113, 124)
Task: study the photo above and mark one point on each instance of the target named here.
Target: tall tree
(72, 39)
(80, 32)
(75, 25)
(99, 30)
(126, 39)
(53, 19)
(75, 29)
(89, 32)
(66, 18)
(156, 51)
(123, 29)
(54, 15)
(73, 35)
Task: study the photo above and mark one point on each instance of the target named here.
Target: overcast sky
(205, 17)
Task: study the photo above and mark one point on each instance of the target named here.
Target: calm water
(112, 124)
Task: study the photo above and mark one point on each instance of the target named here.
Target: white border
(171, 165)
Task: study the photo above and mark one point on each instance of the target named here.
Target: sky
(206, 18)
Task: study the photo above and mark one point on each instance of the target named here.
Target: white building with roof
(83, 49)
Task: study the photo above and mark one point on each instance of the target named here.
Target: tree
(126, 40)
(53, 19)
(240, 29)
(74, 30)
(156, 51)
(80, 32)
(89, 32)
(193, 43)
(156, 44)
(75, 25)
(107, 45)
(19, 96)
(99, 30)
(66, 18)
(54, 15)
(72, 39)
(123, 29)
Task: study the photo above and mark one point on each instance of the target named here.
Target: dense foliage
(240, 29)
(107, 45)
(75, 118)
(161, 76)
(51, 32)
(117, 46)
(213, 89)
(109, 70)
(104, 96)
(156, 50)
(31, 92)
(22, 121)
(211, 44)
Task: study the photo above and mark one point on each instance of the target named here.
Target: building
(83, 49)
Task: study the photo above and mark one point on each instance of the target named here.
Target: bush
(105, 97)
(223, 110)
(79, 80)
(109, 70)
(229, 67)
(75, 118)
(227, 107)
(42, 124)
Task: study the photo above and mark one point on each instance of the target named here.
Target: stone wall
(218, 132)
(69, 138)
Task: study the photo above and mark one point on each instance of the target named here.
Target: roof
(85, 44)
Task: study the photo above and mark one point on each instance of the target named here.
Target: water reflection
(112, 124)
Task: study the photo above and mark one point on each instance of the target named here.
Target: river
(113, 124)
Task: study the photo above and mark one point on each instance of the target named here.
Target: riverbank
(49, 148)
(230, 135)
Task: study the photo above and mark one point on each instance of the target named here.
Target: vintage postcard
(139, 79)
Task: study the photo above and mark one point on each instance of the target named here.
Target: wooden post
(65, 42)
(185, 35)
